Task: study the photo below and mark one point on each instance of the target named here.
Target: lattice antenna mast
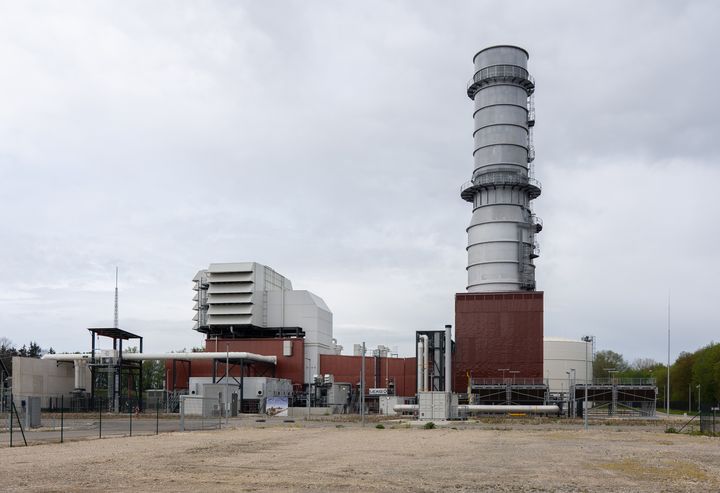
(115, 319)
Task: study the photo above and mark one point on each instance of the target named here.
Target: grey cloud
(329, 141)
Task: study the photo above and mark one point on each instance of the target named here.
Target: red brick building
(495, 331)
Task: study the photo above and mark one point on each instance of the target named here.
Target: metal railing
(621, 381)
(493, 72)
(531, 110)
(507, 381)
(499, 178)
(536, 222)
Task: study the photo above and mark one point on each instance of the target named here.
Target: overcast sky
(329, 140)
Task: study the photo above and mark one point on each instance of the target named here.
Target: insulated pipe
(405, 407)
(448, 359)
(171, 356)
(515, 408)
(426, 363)
(419, 365)
(489, 408)
(80, 366)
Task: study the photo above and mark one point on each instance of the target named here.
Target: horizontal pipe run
(405, 407)
(272, 360)
(476, 408)
(514, 408)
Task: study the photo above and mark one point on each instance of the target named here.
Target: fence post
(12, 406)
(100, 421)
(157, 416)
(130, 414)
(182, 414)
(62, 418)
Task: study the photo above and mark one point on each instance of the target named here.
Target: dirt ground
(346, 457)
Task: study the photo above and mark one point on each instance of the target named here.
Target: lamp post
(613, 382)
(571, 390)
(503, 374)
(308, 376)
(590, 340)
(514, 372)
(227, 381)
(362, 386)
(699, 402)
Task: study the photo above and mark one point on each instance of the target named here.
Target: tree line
(692, 374)
(8, 350)
(153, 371)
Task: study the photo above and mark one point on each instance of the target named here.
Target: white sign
(377, 392)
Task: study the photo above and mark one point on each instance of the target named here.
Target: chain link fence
(62, 418)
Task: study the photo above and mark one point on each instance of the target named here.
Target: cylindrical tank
(501, 235)
(561, 357)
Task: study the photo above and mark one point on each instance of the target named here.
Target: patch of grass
(669, 470)
(380, 426)
(339, 426)
(671, 429)
(429, 425)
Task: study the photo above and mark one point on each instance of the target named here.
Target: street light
(613, 382)
(571, 389)
(591, 340)
(514, 372)
(309, 376)
(227, 382)
(362, 386)
(503, 370)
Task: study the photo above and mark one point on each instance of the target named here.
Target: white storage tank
(560, 357)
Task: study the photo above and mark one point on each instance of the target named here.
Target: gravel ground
(339, 457)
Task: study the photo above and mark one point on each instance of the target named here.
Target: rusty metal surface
(496, 332)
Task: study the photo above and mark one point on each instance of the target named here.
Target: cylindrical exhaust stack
(501, 235)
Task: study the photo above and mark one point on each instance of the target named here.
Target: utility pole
(227, 382)
(588, 340)
(307, 394)
(115, 318)
(362, 387)
(667, 389)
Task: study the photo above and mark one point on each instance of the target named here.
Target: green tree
(608, 360)
(153, 374)
(7, 351)
(681, 378)
(705, 372)
(34, 351)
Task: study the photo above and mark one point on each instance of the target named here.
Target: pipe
(515, 408)
(469, 408)
(426, 363)
(448, 359)
(419, 365)
(171, 356)
(80, 366)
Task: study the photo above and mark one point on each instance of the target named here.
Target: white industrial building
(47, 378)
(248, 299)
